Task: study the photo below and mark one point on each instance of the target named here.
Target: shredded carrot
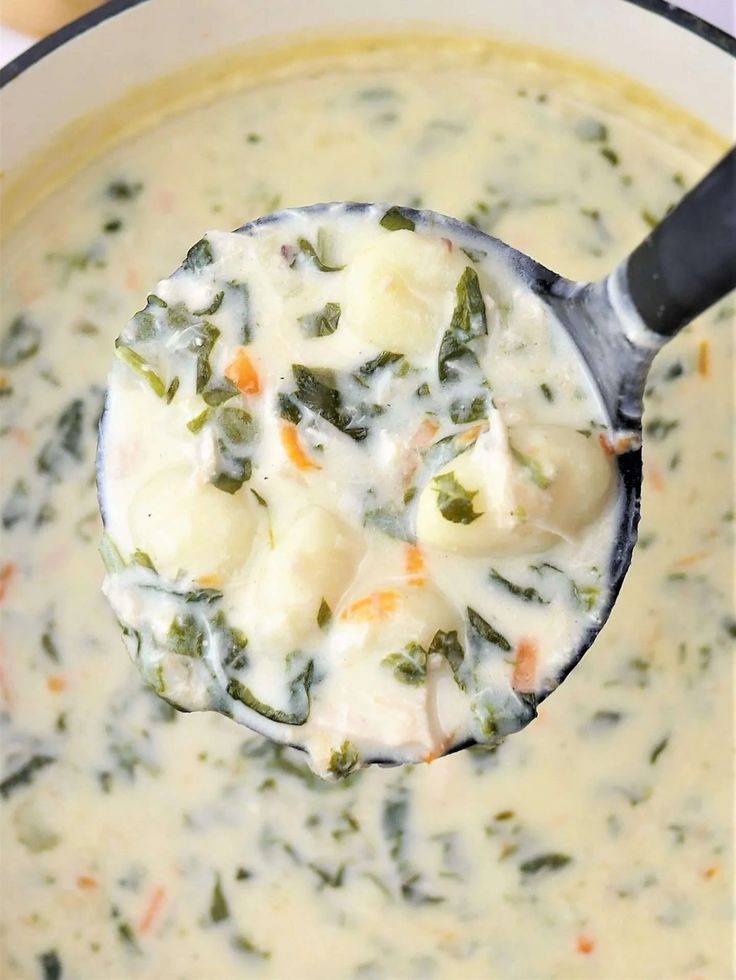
(377, 605)
(654, 477)
(294, 449)
(86, 881)
(155, 904)
(606, 444)
(6, 574)
(622, 443)
(711, 872)
(471, 434)
(22, 436)
(243, 373)
(440, 750)
(414, 564)
(585, 944)
(425, 433)
(56, 683)
(525, 666)
(704, 359)
(692, 559)
(210, 581)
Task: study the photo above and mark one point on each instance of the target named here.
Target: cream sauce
(141, 843)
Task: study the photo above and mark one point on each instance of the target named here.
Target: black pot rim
(682, 18)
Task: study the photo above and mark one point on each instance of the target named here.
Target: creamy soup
(141, 842)
(328, 487)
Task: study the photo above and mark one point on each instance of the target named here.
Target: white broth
(142, 843)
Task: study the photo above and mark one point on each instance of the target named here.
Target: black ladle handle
(689, 260)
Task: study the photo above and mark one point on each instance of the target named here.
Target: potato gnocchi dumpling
(548, 482)
(400, 290)
(350, 501)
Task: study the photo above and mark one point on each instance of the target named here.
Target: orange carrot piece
(425, 433)
(377, 605)
(56, 683)
(653, 475)
(711, 872)
(213, 581)
(606, 444)
(414, 565)
(471, 434)
(86, 882)
(585, 944)
(525, 666)
(243, 373)
(704, 358)
(6, 574)
(155, 904)
(294, 449)
(693, 559)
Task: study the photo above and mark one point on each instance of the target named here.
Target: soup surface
(139, 842)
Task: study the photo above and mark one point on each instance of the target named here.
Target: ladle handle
(688, 262)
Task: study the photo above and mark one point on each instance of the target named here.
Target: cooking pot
(125, 43)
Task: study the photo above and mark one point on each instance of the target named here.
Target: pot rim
(8, 73)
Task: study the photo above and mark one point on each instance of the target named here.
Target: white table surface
(722, 13)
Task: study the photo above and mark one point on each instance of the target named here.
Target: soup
(144, 843)
(389, 436)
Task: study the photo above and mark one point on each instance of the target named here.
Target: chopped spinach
(306, 252)
(395, 220)
(585, 596)
(551, 861)
(317, 390)
(409, 665)
(324, 615)
(51, 968)
(447, 645)
(299, 707)
(25, 775)
(344, 760)
(469, 316)
(463, 410)
(609, 154)
(658, 750)
(140, 366)
(454, 502)
(123, 190)
(533, 467)
(245, 945)
(547, 391)
(322, 323)
(390, 521)
(232, 641)
(219, 909)
(527, 594)
(380, 361)
(199, 256)
(591, 130)
(213, 307)
(66, 445)
(21, 340)
(482, 631)
(186, 636)
(659, 428)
